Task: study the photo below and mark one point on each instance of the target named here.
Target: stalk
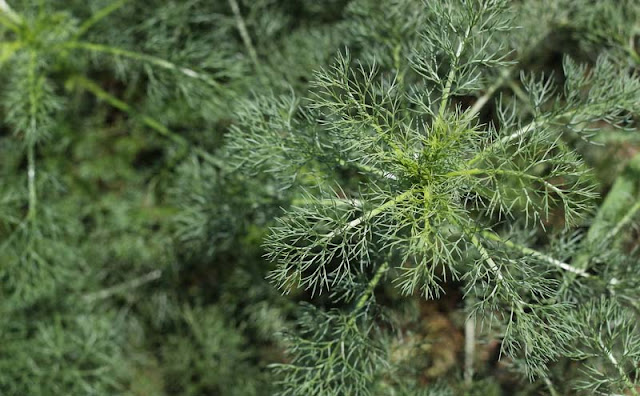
(484, 99)
(244, 33)
(31, 175)
(532, 252)
(623, 375)
(13, 17)
(452, 73)
(132, 284)
(469, 343)
(362, 301)
(98, 16)
(152, 123)
(153, 60)
(371, 214)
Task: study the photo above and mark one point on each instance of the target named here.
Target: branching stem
(101, 94)
(152, 123)
(31, 138)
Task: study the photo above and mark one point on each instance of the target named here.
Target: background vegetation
(169, 168)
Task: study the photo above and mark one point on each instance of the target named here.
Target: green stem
(528, 128)
(520, 94)
(98, 16)
(452, 73)
(617, 210)
(623, 375)
(632, 52)
(486, 257)
(244, 33)
(371, 214)
(552, 389)
(532, 252)
(469, 342)
(131, 284)
(478, 171)
(31, 138)
(362, 301)
(152, 123)
(162, 63)
(482, 100)
(624, 221)
(14, 20)
(101, 94)
(366, 168)
(397, 60)
(31, 175)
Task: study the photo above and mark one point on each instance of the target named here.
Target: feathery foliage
(348, 197)
(433, 183)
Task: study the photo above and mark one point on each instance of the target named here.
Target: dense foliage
(364, 197)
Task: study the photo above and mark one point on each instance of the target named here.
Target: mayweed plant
(404, 184)
(347, 197)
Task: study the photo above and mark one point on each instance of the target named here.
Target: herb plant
(348, 197)
(436, 195)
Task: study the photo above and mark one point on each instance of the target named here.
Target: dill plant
(436, 152)
(401, 184)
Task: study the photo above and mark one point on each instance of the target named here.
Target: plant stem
(162, 63)
(482, 100)
(6, 9)
(550, 386)
(619, 207)
(101, 94)
(132, 284)
(364, 298)
(478, 171)
(624, 221)
(469, 343)
(31, 175)
(362, 301)
(98, 16)
(623, 375)
(486, 257)
(30, 137)
(495, 237)
(367, 168)
(244, 33)
(632, 52)
(152, 123)
(371, 214)
(452, 73)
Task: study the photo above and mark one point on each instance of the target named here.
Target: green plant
(103, 104)
(423, 203)
(437, 195)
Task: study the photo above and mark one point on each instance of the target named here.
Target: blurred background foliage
(131, 261)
